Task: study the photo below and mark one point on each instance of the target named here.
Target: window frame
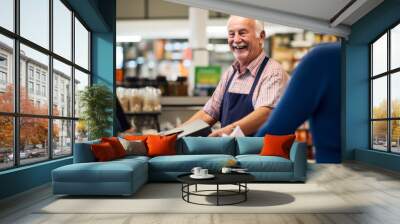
(388, 74)
(3, 70)
(16, 114)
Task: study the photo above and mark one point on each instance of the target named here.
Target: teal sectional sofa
(125, 176)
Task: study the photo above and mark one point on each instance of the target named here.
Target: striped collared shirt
(269, 88)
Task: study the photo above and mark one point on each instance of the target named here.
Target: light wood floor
(377, 188)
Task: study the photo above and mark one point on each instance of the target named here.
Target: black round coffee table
(238, 179)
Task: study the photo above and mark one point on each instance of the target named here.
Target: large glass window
(379, 133)
(395, 94)
(62, 29)
(46, 79)
(395, 47)
(7, 14)
(395, 136)
(62, 91)
(81, 81)
(6, 74)
(41, 65)
(62, 137)
(33, 141)
(385, 94)
(379, 56)
(6, 142)
(35, 21)
(81, 45)
(81, 131)
(379, 97)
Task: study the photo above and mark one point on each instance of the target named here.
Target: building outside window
(56, 128)
(3, 61)
(38, 89)
(43, 90)
(30, 72)
(385, 92)
(30, 87)
(55, 97)
(37, 75)
(3, 72)
(44, 77)
(3, 80)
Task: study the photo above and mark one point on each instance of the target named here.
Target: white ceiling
(321, 9)
(315, 15)
(132, 30)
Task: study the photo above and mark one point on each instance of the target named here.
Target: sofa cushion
(207, 145)
(249, 145)
(134, 147)
(185, 163)
(136, 137)
(277, 145)
(103, 152)
(116, 145)
(83, 152)
(257, 163)
(112, 171)
(131, 158)
(161, 145)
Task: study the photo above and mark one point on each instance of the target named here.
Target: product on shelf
(119, 76)
(137, 100)
(151, 99)
(162, 84)
(123, 99)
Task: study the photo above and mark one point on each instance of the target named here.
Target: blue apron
(235, 106)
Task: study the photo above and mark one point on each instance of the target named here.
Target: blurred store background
(170, 58)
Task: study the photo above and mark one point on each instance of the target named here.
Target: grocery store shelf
(172, 101)
(142, 113)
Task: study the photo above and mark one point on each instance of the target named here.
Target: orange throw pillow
(277, 145)
(116, 145)
(136, 137)
(103, 152)
(161, 145)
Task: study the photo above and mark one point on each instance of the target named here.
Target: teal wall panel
(102, 58)
(356, 85)
(89, 11)
(24, 178)
(103, 61)
(380, 159)
(103, 52)
(357, 99)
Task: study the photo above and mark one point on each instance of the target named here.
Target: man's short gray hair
(259, 25)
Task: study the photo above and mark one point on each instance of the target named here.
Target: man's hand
(218, 133)
(202, 116)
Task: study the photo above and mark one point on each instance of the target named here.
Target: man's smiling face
(243, 40)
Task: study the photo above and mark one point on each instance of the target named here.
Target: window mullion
(50, 81)
(389, 106)
(371, 137)
(73, 81)
(16, 84)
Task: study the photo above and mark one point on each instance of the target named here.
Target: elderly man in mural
(249, 90)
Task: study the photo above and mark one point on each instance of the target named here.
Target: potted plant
(95, 103)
